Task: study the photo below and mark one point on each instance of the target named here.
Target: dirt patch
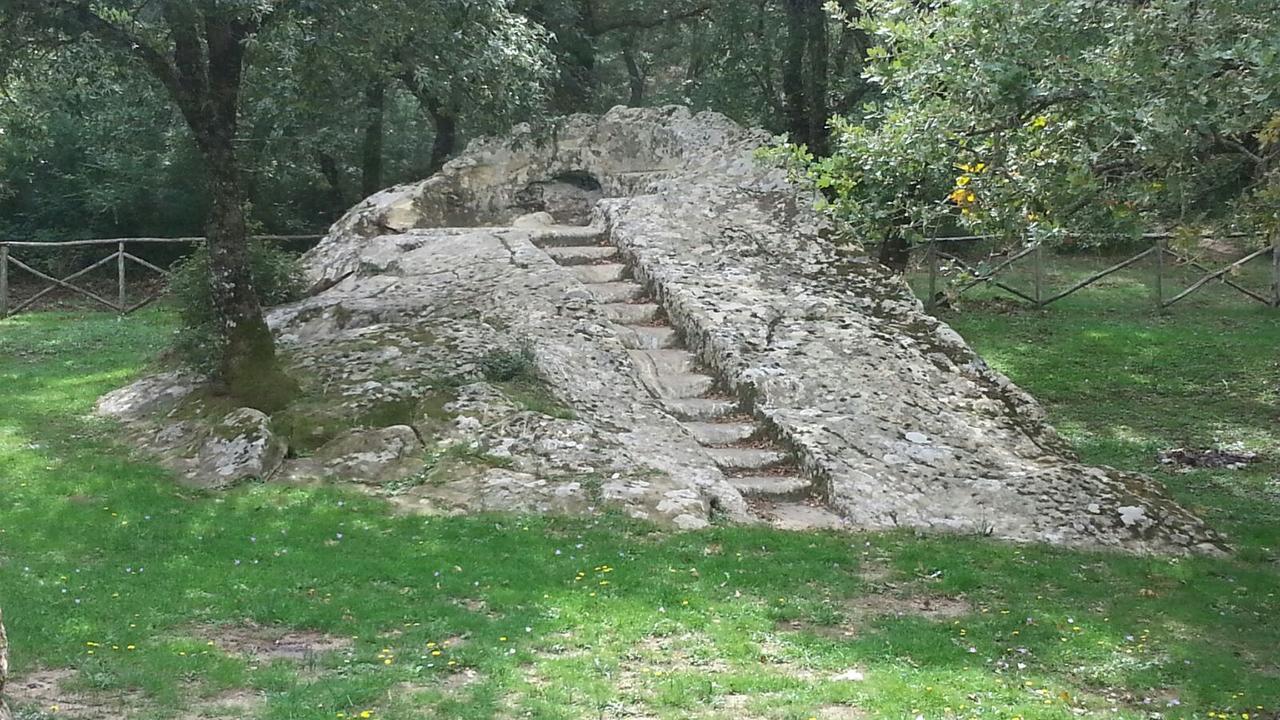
(840, 712)
(860, 611)
(667, 653)
(927, 606)
(1212, 458)
(1154, 700)
(264, 643)
(876, 573)
(47, 692)
(453, 683)
(230, 704)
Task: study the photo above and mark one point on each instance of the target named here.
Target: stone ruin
(630, 311)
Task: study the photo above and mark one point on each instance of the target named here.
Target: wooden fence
(1041, 296)
(121, 257)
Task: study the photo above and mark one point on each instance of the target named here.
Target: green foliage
(276, 275)
(90, 146)
(90, 150)
(1019, 116)
(510, 364)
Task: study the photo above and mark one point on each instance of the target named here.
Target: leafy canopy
(1088, 116)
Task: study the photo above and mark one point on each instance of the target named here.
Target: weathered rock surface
(423, 309)
(902, 423)
(377, 456)
(150, 396)
(880, 415)
(241, 446)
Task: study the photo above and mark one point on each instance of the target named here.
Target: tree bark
(442, 117)
(248, 365)
(793, 80)
(248, 368)
(375, 99)
(635, 75)
(333, 176)
(4, 669)
(805, 71)
(446, 140)
(816, 78)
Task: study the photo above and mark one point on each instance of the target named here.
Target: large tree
(471, 66)
(782, 64)
(197, 51)
(1022, 117)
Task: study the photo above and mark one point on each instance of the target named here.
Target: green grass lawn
(108, 569)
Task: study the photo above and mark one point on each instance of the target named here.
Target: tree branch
(1036, 107)
(1233, 144)
(188, 52)
(76, 18)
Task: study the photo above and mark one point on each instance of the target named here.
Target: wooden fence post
(1039, 266)
(4, 281)
(932, 258)
(121, 297)
(1159, 280)
(1275, 267)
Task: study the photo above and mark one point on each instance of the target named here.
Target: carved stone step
(700, 409)
(581, 254)
(681, 385)
(630, 313)
(672, 361)
(771, 485)
(592, 274)
(746, 458)
(615, 292)
(802, 516)
(721, 433)
(641, 337)
(569, 236)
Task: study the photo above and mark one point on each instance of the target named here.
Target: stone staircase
(761, 469)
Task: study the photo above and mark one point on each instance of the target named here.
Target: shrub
(276, 274)
(510, 365)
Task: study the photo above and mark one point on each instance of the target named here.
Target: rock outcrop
(702, 346)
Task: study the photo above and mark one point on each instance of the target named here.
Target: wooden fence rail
(121, 257)
(1159, 251)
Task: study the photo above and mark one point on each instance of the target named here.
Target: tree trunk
(849, 57)
(816, 77)
(333, 176)
(895, 251)
(635, 75)
(443, 118)
(805, 70)
(446, 135)
(793, 80)
(4, 669)
(248, 365)
(371, 166)
(204, 81)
